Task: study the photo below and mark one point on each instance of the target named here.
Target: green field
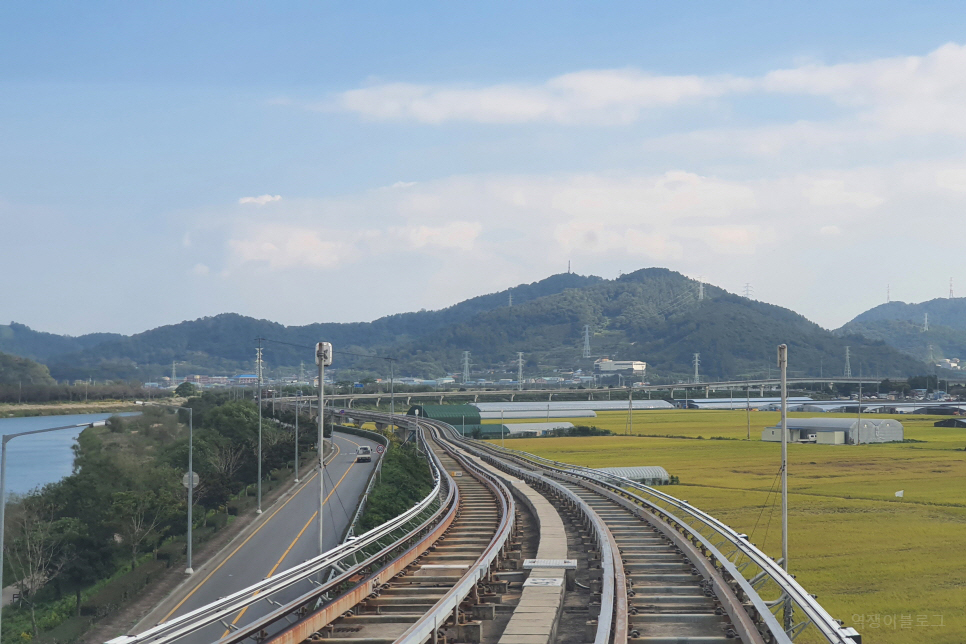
(861, 549)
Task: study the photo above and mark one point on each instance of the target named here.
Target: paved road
(288, 537)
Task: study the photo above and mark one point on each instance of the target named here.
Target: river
(34, 461)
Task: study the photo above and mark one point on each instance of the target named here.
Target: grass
(864, 551)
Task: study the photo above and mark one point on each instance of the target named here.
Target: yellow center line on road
(294, 541)
(305, 484)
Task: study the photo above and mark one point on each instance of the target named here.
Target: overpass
(476, 395)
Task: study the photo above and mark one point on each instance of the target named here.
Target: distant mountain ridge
(653, 314)
(904, 326)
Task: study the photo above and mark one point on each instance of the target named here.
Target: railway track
(405, 601)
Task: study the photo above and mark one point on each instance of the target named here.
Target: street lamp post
(3, 474)
(259, 374)
(323, 358)
(191, 471)
(298, 401)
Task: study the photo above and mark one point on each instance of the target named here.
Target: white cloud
(606, 96)
(288, 247)
(260, 201)
(200, 269)
(829, 231)
(886, 97)
(457, 235)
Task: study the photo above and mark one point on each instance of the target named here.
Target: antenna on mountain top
(586, 340)
(848, 364)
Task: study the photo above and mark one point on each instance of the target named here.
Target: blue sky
(165, 161)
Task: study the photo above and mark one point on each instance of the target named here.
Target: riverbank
(26, 410)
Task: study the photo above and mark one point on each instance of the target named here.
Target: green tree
(185, 389)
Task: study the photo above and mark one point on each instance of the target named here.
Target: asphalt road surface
(288, 537)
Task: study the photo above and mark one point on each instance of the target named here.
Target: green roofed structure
(458, 416)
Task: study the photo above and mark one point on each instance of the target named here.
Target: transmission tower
(888, 295)
(696, 360)
(925, 323)
(848, 363)
(174, 372)
(929, 349)
(950, 288)
(302, 371)
(586, 340)
(749, 290)
(520, 369)
(466, 366)
(511, 299)
(700, 291)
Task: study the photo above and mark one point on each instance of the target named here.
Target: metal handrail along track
(831, 629)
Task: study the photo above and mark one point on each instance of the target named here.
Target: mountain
(903, 326)
(225, 343)
(660, 317)
(655, 315)
(23, 341)
(15, 370)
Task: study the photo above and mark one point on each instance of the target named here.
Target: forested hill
(15, 370)
(225, 343)
(902, 326)
(949, 312)
(657, 316)
(654, 314)
(21, 340)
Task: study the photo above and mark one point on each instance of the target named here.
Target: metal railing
(346, 559)
(756, 573)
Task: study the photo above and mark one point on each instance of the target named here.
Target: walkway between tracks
(534, 619)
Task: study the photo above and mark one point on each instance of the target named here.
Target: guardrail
(750, 568)
(347, 559)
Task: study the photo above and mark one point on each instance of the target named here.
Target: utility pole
(258, 373)
(323, 358)
(858, 424)
(298, 402)
(748, 409)
(502, 431)
(519, 370)
(783, 365)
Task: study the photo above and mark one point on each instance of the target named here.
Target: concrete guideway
(285, 534)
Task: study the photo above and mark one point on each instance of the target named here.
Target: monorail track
(405, 600)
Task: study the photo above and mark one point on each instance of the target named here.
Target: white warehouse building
(837, 431)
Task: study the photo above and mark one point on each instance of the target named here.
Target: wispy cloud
(260, 201)
(906, 94)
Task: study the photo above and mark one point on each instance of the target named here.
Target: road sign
(380, 449)
(184, 480)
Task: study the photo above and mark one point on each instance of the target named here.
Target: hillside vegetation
(15, 370)
(654, 314)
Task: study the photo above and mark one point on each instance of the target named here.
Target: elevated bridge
(512, 548)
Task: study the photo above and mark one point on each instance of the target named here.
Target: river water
(34, 461)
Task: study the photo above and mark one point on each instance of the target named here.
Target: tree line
(125, 497)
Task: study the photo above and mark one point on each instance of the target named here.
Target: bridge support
(707, 392)
(511, 397)
(761, 391)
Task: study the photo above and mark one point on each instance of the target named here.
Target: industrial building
(606, 366)
(648, 475)
(523, 429)
(562, 408)
(459, 416)
(837, 431)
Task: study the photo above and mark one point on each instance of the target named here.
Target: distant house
(837, 431)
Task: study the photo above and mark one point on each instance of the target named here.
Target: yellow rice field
(895, 568)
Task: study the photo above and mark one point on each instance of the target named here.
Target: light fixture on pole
(191, 479)
(298, 404)
(3, 471)
(323, 358)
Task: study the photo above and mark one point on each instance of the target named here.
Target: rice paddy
(894, 568)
